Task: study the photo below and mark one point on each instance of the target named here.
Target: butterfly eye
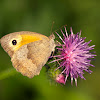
(14, 42)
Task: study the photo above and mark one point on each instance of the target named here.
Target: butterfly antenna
(52, 27)
(56, 41)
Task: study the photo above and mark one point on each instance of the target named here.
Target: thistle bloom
(60, 79)
(55, 75)
(75, 55)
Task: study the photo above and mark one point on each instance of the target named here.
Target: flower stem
(7, 73)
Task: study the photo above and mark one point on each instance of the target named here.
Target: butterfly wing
(29, 59)
(22, 64)
(31, 51)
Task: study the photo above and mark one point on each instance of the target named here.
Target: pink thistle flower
(75, 55)
(60, 79)
(54, 75)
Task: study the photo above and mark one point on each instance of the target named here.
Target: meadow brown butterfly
(29, 51)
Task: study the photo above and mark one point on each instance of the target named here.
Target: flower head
(75, 55)
(55, 75)
(60, 79)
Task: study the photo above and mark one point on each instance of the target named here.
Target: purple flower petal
(75, 55)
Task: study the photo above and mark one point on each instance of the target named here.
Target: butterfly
(29, 51)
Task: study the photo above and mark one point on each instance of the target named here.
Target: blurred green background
(38, 16)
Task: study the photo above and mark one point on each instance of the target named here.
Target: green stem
(7, 73)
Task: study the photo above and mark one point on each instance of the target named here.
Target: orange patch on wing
(27, 39)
